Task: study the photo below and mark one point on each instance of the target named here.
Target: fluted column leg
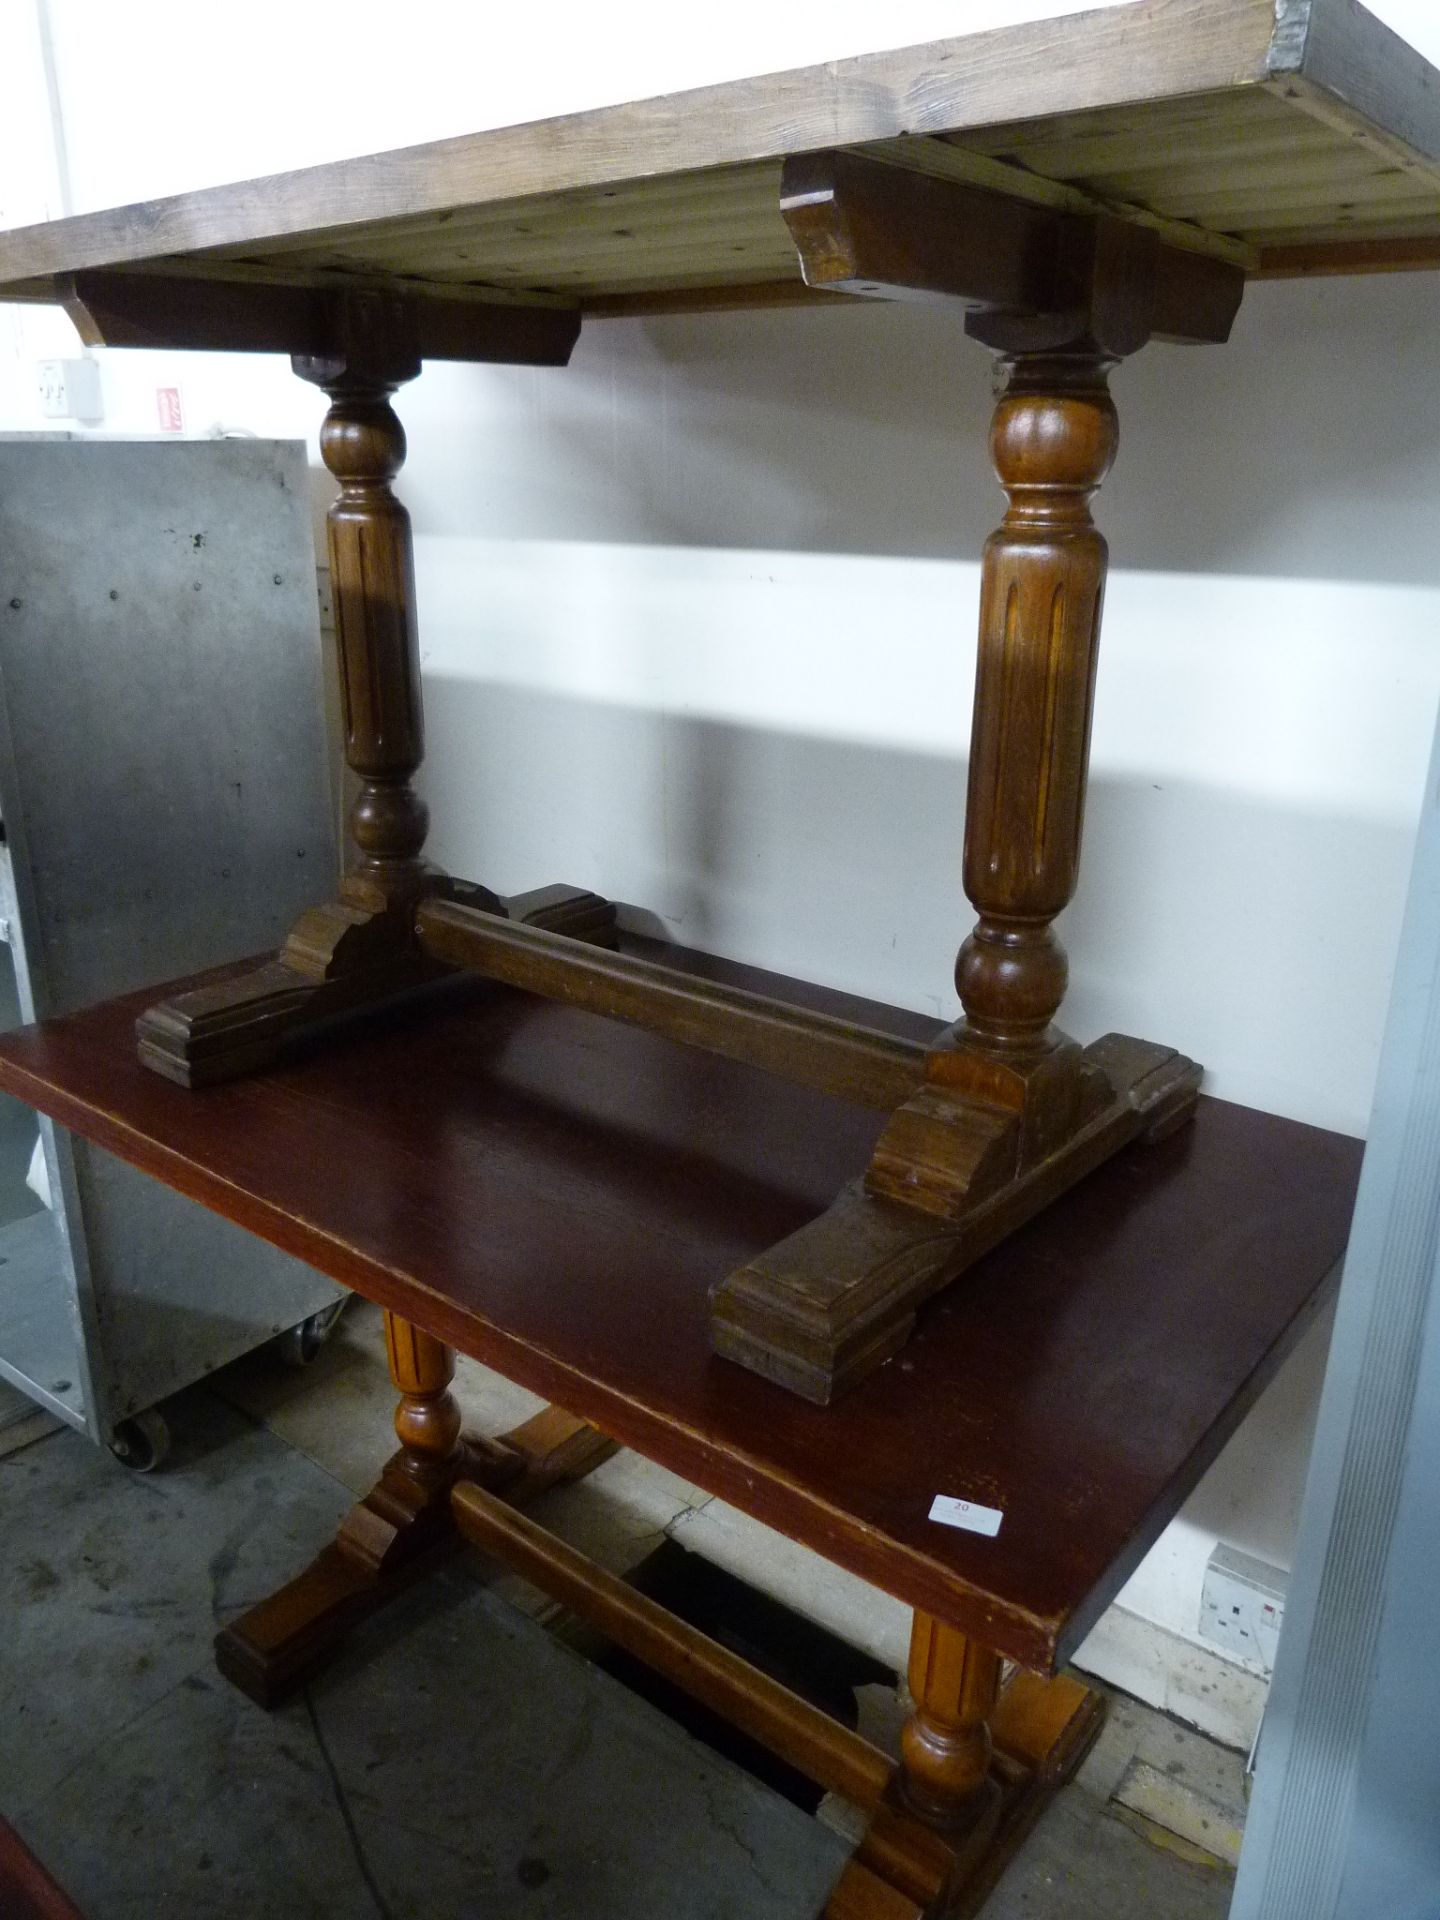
(349, 955)
(977, 1767)
(372, 577)
(945, 1745)
(1052, 442)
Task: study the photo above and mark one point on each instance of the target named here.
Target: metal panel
(41, 1346)
(163, 783)
(48, 1331)
(1343, 1823)
(162, 678)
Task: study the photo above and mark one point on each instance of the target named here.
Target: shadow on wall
(840, 862)
(1305, 448)
(1251, 1496)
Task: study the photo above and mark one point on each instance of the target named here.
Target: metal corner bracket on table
(985, 1126)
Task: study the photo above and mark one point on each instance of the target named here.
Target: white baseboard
(1196, 1684)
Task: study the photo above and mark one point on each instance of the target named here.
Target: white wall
(213, 96)
(698, 615)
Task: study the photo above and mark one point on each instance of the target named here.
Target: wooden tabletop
(555, 1193)
(1289, 135)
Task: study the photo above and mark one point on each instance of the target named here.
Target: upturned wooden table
(821, 1257)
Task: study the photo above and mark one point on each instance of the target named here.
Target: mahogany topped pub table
(816, 1255)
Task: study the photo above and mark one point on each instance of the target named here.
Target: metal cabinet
(166, 806)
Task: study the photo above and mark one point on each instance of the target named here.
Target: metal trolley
(166, 807)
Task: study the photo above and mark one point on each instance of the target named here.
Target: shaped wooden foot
(978, 1766)
(341, 961)
(824, 1307)
(403, 1528)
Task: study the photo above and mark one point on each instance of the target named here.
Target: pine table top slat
(1221, 102)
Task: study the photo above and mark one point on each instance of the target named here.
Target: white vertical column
(33, 184)
(1342, 1825)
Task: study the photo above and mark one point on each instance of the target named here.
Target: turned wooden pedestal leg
(1011, 1111)
(360, 951)
(978, 1764)
(403, 1526)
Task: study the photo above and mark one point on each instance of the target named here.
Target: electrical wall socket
(1242, 1604)
(70, 389)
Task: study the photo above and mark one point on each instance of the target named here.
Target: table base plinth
(1041, 1730)
(399, 1533)
(947, 1182)
(978, 1761)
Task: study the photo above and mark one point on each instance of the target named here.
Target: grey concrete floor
(478, 1769)
(458, 1760)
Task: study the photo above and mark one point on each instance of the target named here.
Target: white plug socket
(1242, 1604)
(70, 389)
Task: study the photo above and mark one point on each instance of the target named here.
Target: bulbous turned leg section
(1011, 976)
(427, 1420)
(945, 1745)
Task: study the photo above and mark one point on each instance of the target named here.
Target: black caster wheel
(142, 1442)
(298, 1345)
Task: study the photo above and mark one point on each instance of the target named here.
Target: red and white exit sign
(172, 413)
